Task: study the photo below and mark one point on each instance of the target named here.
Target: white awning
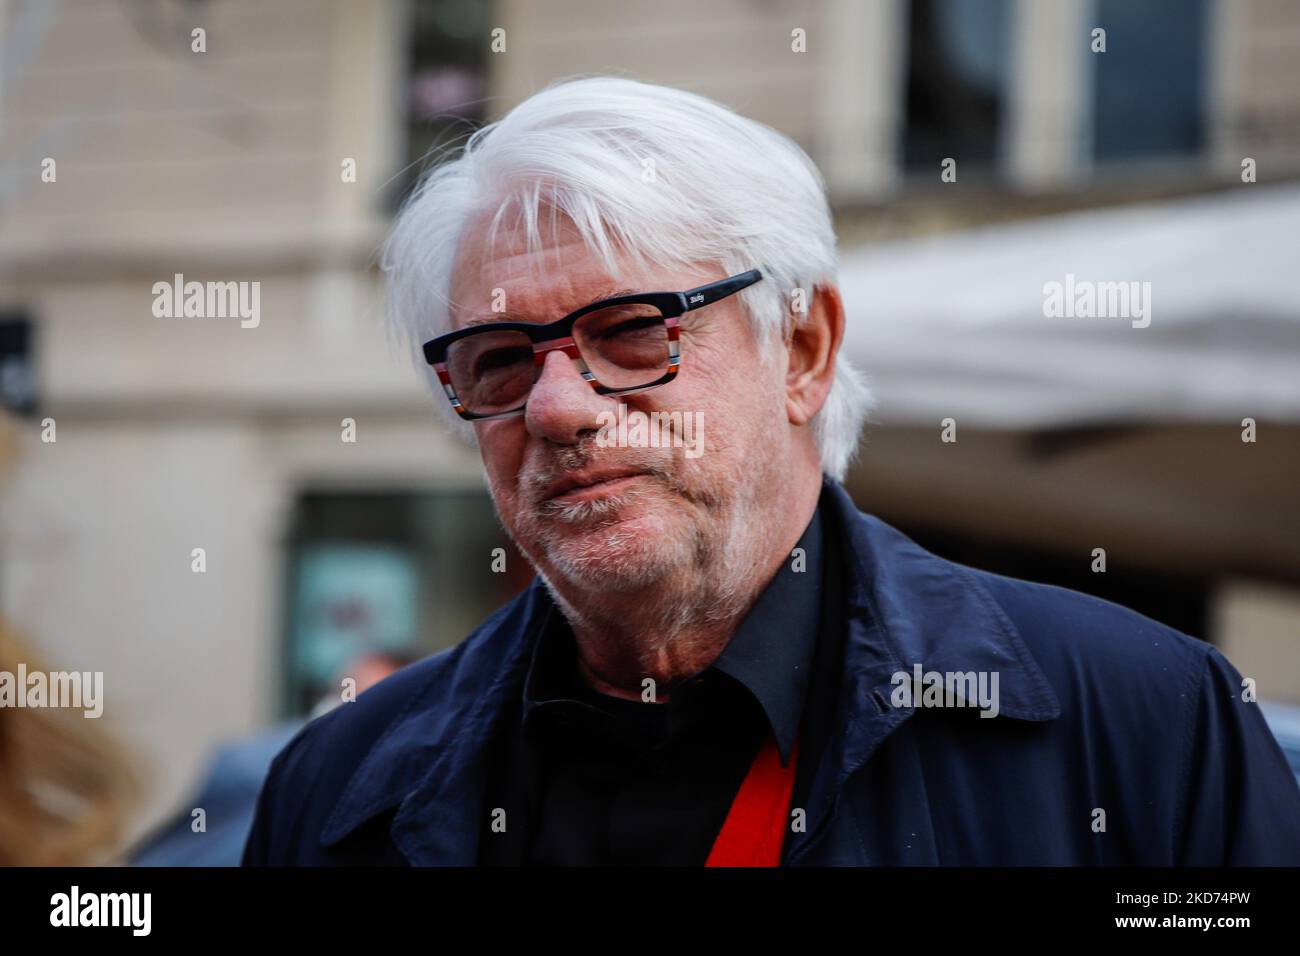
(955, 325)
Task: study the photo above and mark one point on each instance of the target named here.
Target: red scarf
(756, 824)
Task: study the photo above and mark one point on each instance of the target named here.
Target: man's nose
(562, 406)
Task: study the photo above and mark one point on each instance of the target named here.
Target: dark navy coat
(1118, 741)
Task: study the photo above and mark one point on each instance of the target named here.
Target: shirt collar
(771, 653)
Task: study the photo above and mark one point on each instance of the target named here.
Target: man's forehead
(531, 296)
(506, 280)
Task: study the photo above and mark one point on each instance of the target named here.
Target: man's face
(624, 518)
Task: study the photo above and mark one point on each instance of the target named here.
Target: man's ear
(813, 345)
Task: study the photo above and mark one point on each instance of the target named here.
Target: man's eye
(500, 358)
(631, 327)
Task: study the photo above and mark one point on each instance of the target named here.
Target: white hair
(659, 174)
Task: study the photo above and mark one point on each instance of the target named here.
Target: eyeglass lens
(624, 346)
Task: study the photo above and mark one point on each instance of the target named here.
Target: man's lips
(590, 483)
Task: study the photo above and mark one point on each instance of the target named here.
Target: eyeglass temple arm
(705, 294)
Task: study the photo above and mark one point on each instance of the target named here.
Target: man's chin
(619, 548)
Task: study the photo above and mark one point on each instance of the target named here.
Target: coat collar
(907, 606)
(904, 606)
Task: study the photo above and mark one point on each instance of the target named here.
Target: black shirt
(583, 778)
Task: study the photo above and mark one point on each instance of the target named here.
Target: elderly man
(721, 661)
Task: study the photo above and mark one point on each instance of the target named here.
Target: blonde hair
(66, 786)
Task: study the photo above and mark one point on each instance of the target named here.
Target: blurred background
(327, 558)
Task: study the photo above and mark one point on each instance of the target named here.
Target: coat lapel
(438, 823)
(431, 762)
(904, 607)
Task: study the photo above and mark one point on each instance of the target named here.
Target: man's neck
(665, 638)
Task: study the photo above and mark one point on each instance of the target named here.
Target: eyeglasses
(620, 345)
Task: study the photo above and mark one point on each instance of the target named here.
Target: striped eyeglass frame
(547, 337)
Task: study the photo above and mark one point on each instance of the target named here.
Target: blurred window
(406, 574)
(1149, 86)
(17, 364)
(959, 54)
(446, 81)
